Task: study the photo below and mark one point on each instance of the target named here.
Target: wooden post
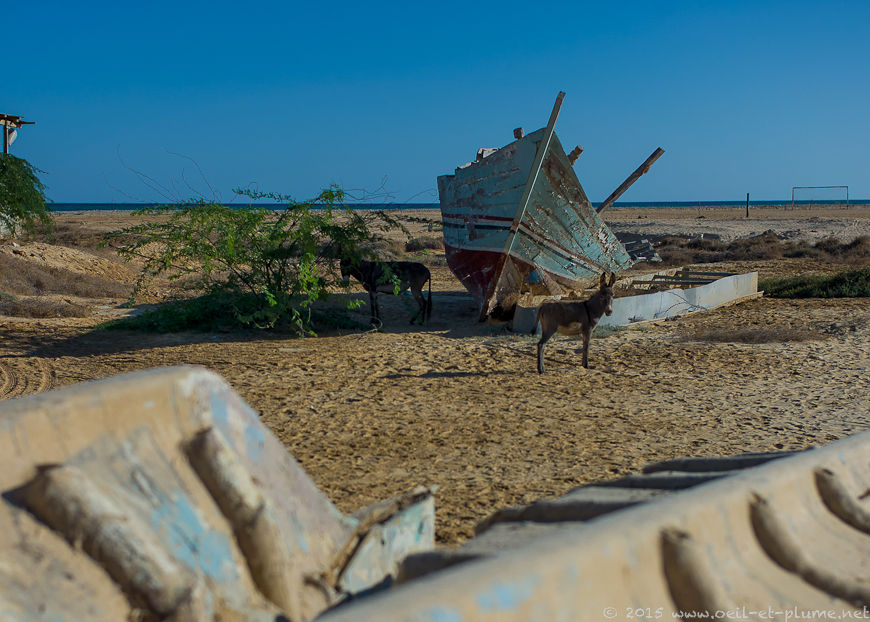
(643, 168)
(747, 205)
(11, 124)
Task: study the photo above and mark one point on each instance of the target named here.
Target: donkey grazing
(574, 318)
(385, 276)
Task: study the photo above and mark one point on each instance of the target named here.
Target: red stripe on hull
(476, 269)
(472, 216)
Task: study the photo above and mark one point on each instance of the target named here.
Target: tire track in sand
(24, 376)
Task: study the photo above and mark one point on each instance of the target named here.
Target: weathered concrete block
(670, 303)
(790, 535)
(161, 494)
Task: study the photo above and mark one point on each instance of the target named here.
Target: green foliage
(22, 197)
(261, 267)
(211, 312)
(216, 312)
(849, 284)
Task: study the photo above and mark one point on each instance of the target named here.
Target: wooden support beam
(14, 120)
(643, 168)
(575, 153)
(705, 273)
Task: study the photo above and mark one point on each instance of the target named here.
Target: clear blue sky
(743, 96)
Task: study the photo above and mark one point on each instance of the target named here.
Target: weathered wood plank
(641, 170)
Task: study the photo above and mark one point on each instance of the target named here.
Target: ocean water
(73, 207)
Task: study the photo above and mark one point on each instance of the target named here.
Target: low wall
(676, 302)
(786, 540)
(659, 305)
(160, 495)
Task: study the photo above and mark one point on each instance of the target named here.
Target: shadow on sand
(454, 315)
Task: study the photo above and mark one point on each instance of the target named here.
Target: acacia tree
(270, 265)
(22, 197)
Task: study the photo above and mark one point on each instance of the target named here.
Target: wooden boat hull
(510, 228)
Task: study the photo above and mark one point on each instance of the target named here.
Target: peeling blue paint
(255, 438)
(439, 614)
(255, 441)
(556, 231)
(299, 532)
(507, 596)
(219, 412)
(175, 521)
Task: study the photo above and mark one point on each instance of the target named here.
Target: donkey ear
(612, 279)
(603, 280)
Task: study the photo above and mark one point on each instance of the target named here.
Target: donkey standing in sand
(391, 277)
(574, 318)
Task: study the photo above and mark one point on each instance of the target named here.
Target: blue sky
(288, 97)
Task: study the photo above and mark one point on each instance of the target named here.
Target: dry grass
(426, 242)
(765, 334)
(680, 251)
(19, 276)
(39, 307)
(388, 249)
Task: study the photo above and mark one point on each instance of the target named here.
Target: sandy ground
(459, 404)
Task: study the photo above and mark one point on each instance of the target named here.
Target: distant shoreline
(129, 207)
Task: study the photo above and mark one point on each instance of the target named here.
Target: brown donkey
(574, 318)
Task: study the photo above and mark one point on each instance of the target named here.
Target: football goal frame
(793, 188)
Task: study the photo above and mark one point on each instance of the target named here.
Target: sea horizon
(75, 207)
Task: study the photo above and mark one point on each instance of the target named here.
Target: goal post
(822, 200)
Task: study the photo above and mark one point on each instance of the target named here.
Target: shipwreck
(517, 220)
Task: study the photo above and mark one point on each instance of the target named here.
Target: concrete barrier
(160, 495)
(676, 302)
(661, 305)
(784, 540)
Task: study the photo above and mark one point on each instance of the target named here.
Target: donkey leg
(545, 337)
(586, 336)
(421, 305)
(373, 302)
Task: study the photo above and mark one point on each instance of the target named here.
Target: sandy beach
(459, 405)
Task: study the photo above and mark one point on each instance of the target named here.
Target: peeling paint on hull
(560, 243)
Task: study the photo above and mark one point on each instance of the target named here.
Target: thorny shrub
(848, 284)
(267, 266)
(22, 197)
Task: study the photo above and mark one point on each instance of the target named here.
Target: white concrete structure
(786, 540)
(661, 305)
(676, 302)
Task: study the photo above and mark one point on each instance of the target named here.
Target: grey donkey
(574, 318)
